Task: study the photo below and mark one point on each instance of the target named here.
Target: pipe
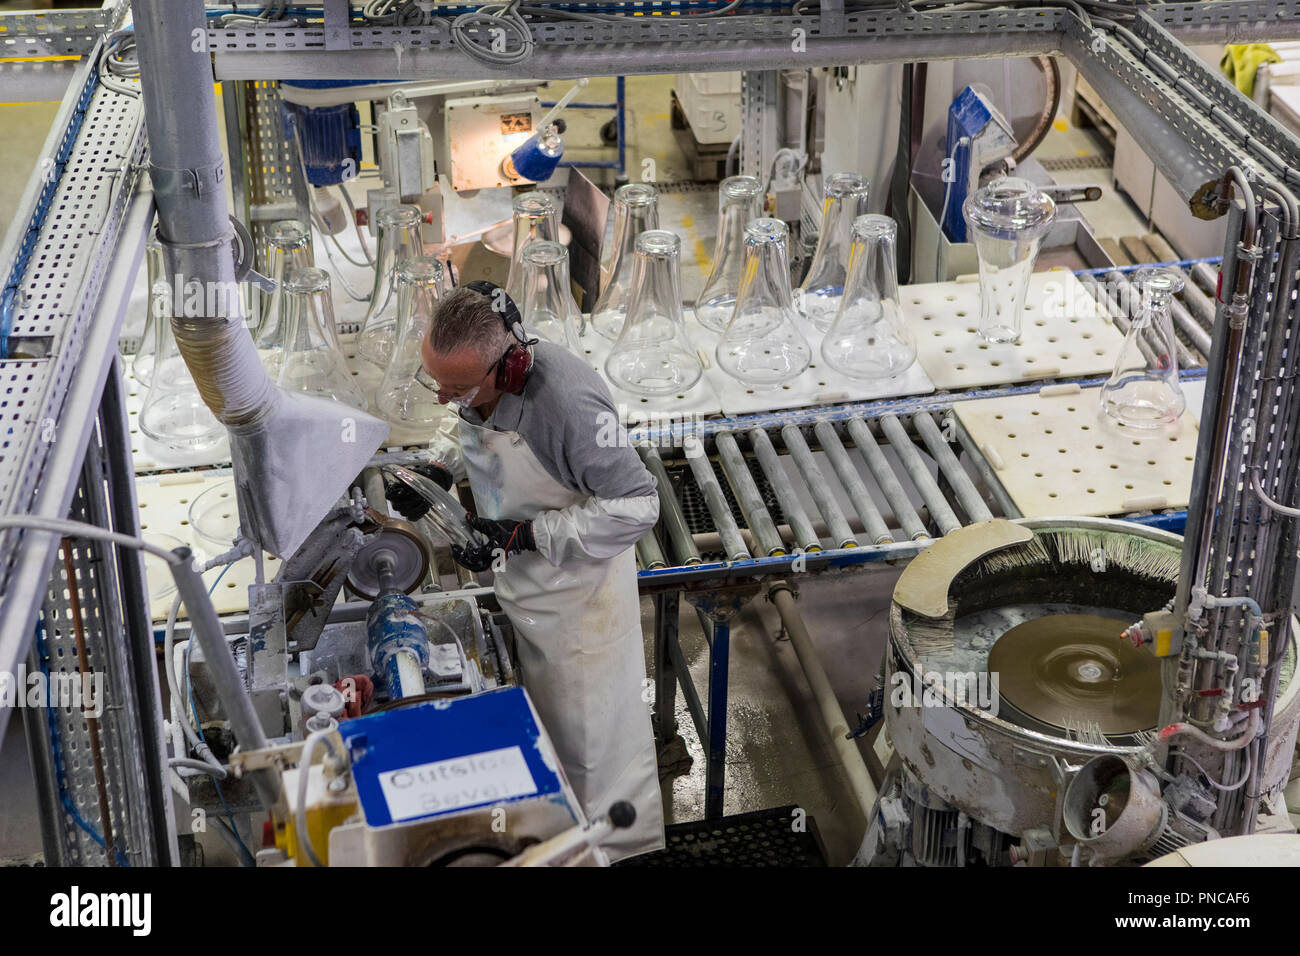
(707, 481)
(832, 716)
(819, 487)
(904, 513)
(853, 483)
(649, 552)
(294, 455)
(670, 509)
(962, 486)
(916, 469)
(747, 494)
(205, 626)
(805, 536)
(1130, 298)
(1112, 307)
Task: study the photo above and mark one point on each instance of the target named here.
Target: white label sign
(457, 783)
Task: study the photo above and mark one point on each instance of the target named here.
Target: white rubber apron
(579, 643)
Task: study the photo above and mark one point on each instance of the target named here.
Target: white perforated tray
(1058, 453)
(165, 515)
(1063, 333)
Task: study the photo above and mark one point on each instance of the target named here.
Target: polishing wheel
(1069, 668)
(397, 549)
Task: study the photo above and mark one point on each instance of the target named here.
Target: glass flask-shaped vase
(739, 201)
(636, 209)
(869, 338)
(1143, 391)
(845, 198)
(173, 413)
(536, 217)
(547, 304)
(289, 249)
(312, 360)
(156, 311)
(399, 239)
(1006, 220)
(762, 345)
(652, 355)
(402, 399)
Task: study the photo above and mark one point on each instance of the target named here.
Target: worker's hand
(408, 502)
(504, 538)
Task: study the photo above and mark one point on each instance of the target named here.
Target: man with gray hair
(560, 507)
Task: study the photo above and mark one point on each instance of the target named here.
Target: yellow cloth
(1241, 60)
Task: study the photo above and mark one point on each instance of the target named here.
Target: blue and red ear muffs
(513, 367)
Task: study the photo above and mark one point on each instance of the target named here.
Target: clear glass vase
(547, 304)
(845, 198)
(401, 398)
(156, 311)
(536, 217)
(761, 345)
(1006, 220)
(739, 201)
(636, 209)
(869, 338)
(652, 355)
(1144, 392)
(399, 239)
(288, 249)
(312, 360)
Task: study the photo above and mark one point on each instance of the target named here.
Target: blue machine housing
(969, 118)
(331, 141)
(451, 749)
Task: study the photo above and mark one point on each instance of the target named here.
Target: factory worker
(561, 499)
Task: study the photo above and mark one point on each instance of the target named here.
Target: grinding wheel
(1075, 668)
(404, 546)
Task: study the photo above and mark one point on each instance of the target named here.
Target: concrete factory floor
(777, 751)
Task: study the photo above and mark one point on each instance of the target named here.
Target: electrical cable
(304, 772)
(118, 60)
(361, 233)
(497, 19)
(1227, 788)
(56, 754)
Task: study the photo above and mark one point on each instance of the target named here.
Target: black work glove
(504, 537)
(408, 502)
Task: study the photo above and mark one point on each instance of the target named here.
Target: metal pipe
(747, 494)
(649, 552)
(819, 487)
(1199, 304)
(670, 509)
(1131, 301)
(293, 454)
(801, 528)
(707, 481)
(853, 483)
(1101, 295)
(205, 626)
(916, 469)
(941, 452)
(828, 707)
(904, 513)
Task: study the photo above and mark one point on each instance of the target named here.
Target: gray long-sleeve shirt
(567, 417)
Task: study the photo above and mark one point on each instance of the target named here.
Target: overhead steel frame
(65, 377)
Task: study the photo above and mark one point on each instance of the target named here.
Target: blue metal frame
(619, 106)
